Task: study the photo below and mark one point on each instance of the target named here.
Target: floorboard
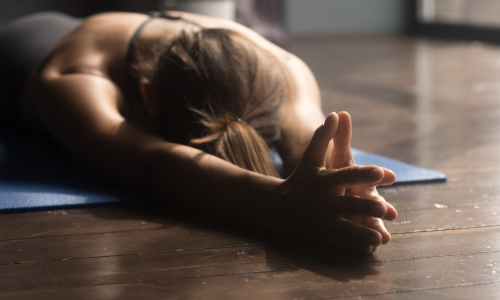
(432, 103)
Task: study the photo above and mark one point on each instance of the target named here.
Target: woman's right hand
(312, 201)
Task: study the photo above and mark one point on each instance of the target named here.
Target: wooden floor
(432, 103)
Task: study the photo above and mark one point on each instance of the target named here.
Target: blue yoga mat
(405, 173)
(36, 174)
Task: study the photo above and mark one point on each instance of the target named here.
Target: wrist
(258, 200)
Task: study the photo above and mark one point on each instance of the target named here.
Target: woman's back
(106, 46)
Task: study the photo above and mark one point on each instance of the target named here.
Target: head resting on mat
(216, 90)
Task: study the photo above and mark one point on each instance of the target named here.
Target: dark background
(264, 16)
(11, 9)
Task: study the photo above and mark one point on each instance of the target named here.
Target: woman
(187, 107)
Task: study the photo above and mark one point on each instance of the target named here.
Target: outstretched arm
(80, 112)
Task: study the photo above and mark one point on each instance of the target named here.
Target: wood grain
(394, 277)
(427, 102)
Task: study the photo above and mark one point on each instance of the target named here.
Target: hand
(312, 203)
(342, 157)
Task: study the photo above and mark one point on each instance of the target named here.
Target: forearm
(80, 112)
(179, 174)
(202, 182)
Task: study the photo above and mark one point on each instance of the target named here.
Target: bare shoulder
(78, 70)
(99, 43)
(113, 22)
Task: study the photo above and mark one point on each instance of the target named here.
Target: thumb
(315, 153)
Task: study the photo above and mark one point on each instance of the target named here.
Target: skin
(82, 90)
(342, 157)
(321, 210)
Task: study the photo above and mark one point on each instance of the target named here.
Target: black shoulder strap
(137, 33)
(133, 40)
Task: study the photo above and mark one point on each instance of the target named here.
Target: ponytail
(237, 142)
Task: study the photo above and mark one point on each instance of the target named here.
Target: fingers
(378, 225)
(372, 194)
(353, 176)
(315, 152)
(356, 238)
(375, 224)
(341, 153)
(391, 212)
(389, 177)
(356, 206)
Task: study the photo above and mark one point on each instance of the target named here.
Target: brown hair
(216, 90)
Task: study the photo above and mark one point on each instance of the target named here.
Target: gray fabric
(23, 44)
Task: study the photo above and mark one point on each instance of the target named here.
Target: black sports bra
(137, 33)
